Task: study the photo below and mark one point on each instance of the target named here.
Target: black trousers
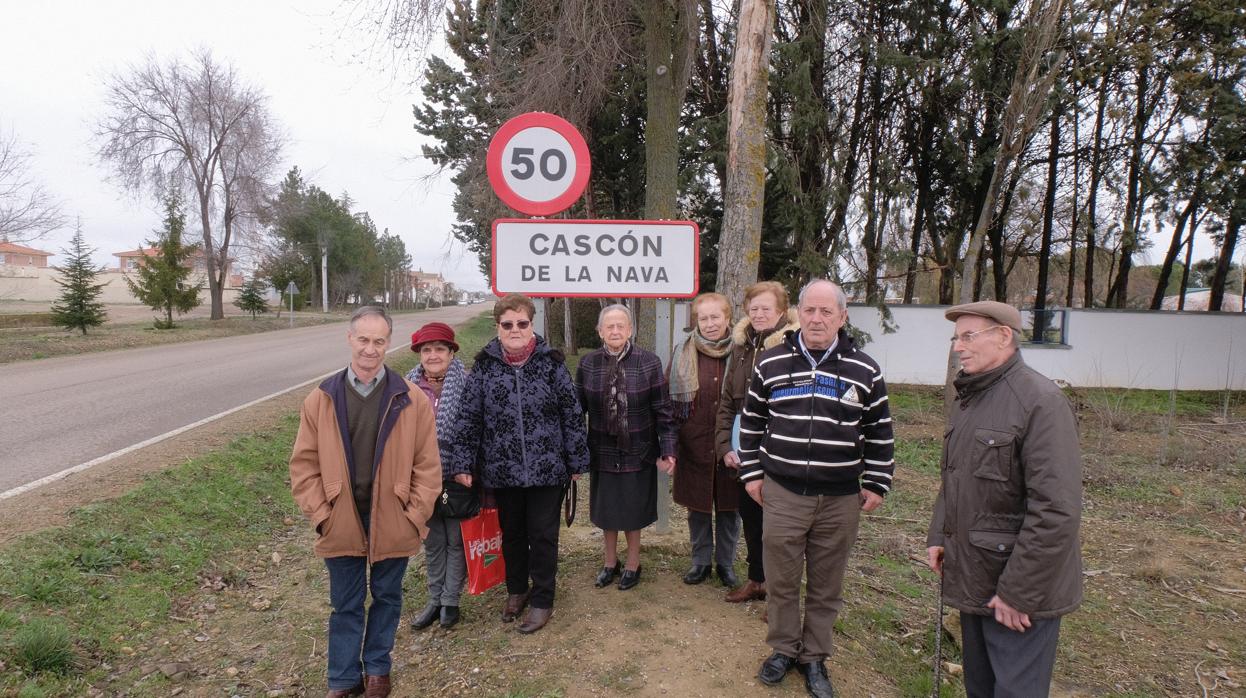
(1003, 663)
(750, 515)
(529, 517)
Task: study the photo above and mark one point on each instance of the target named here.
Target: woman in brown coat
(702, 484)
(766, 319)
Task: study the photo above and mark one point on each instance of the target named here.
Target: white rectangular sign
(632, 259)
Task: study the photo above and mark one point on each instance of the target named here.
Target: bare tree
(198, 124)
(27, 212)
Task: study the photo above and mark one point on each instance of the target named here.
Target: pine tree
(251, 299)
(163, 277)
(78, 306)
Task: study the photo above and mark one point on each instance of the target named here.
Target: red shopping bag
(482, 543)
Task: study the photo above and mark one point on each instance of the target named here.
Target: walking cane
(938, 653)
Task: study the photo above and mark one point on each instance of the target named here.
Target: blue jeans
(348, 632)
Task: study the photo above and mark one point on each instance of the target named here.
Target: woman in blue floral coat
(521, 413)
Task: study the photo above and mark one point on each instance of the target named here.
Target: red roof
(22, 249)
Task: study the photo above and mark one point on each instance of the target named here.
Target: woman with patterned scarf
(631, 434)
(441, 376)
(703, 484)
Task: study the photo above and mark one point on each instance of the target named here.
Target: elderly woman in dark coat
(441, 376)
(766, 320)
(630, 433)
(703, 485)
(521, 412)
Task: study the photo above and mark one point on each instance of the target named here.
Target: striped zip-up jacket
(818, 431)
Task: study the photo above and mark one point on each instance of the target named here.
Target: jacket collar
(743, 335)
(844, 345)
(393, 400)
(493, 350)
(967, 385)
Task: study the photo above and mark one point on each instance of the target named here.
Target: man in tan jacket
(366, 471)
(1004, 534)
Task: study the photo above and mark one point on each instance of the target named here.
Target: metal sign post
(662, 347)
(291, 289)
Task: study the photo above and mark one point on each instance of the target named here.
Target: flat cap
(1001, 313)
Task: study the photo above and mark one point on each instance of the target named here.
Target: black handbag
(457, 501)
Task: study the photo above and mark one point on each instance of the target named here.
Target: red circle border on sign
(538, 119)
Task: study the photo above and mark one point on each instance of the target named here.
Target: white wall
(39, 284)
(1106, 348)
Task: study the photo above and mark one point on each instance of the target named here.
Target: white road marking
(167, 435)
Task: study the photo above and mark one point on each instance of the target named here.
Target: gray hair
(366, 310)
(612, 308)
(841, 299)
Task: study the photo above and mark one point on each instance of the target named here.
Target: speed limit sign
(538, 163)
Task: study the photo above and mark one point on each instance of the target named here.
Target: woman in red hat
(441, 376)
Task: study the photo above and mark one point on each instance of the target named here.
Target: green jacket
(1009, 508)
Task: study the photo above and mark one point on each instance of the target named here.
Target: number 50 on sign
(538, 163)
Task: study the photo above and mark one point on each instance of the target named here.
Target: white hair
(841, 299)
(612, 308)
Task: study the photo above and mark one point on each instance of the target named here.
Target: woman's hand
(667, 465)
(731, 460)
(463, 479)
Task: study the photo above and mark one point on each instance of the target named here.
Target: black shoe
(629, 579)
(775, 668)
(607, 575)
(449, 616)
(727, 575)
(817, 683)
(697, 574)
(427, 617)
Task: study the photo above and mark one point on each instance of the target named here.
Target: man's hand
(753, 488)
(463, 479)
(870, 500)
(667, 464)
(934, 558)
(575, 476)
(731, 460)
(1008, 616)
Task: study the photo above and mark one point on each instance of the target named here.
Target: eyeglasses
(968, 337)
(509, 325)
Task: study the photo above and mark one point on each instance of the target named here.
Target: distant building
(427, 286)
(132, 260)
(17, 255)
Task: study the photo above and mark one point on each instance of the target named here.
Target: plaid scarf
(684, 381)
(616, 398)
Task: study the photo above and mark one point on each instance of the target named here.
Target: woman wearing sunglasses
(521, 415)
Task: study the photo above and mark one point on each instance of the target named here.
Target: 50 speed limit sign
(538, 163)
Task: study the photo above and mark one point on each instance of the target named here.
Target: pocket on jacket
(402, 490)
(331, 491)
(992, 454)
(999, 542)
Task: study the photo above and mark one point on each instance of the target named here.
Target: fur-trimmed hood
(739, 334)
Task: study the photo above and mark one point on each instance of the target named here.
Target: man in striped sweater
(815, 451)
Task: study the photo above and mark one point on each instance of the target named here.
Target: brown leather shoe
(749, 592)
(377, 686)
(535, 620)
(515, 604)
(356, 690)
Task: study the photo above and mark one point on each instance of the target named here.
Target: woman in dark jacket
(702, 484)
(630, 434)
(442, 377)
(766, 319)
(521, 412)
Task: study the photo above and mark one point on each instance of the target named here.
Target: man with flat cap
(1004, 534)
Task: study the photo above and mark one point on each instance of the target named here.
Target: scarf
(616, 397)
(447, 406)
(521, 357)
(684, 381)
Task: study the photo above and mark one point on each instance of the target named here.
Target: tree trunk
(1096, 176)
(740, 246)
(1227, 248)
(1185, 270)
(1119, 291)
(1174, 248)
(1049, 214)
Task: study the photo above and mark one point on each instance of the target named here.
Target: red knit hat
(434, 332)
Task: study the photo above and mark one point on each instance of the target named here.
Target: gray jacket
(1009, 508)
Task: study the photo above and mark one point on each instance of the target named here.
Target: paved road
(59, 413)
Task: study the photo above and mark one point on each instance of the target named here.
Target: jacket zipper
(523, 444)
(813, 403)
(376, 467)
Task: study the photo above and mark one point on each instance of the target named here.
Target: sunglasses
(509, 325)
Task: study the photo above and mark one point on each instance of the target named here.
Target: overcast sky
(348, 124)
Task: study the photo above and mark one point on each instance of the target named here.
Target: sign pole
(662, 346)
